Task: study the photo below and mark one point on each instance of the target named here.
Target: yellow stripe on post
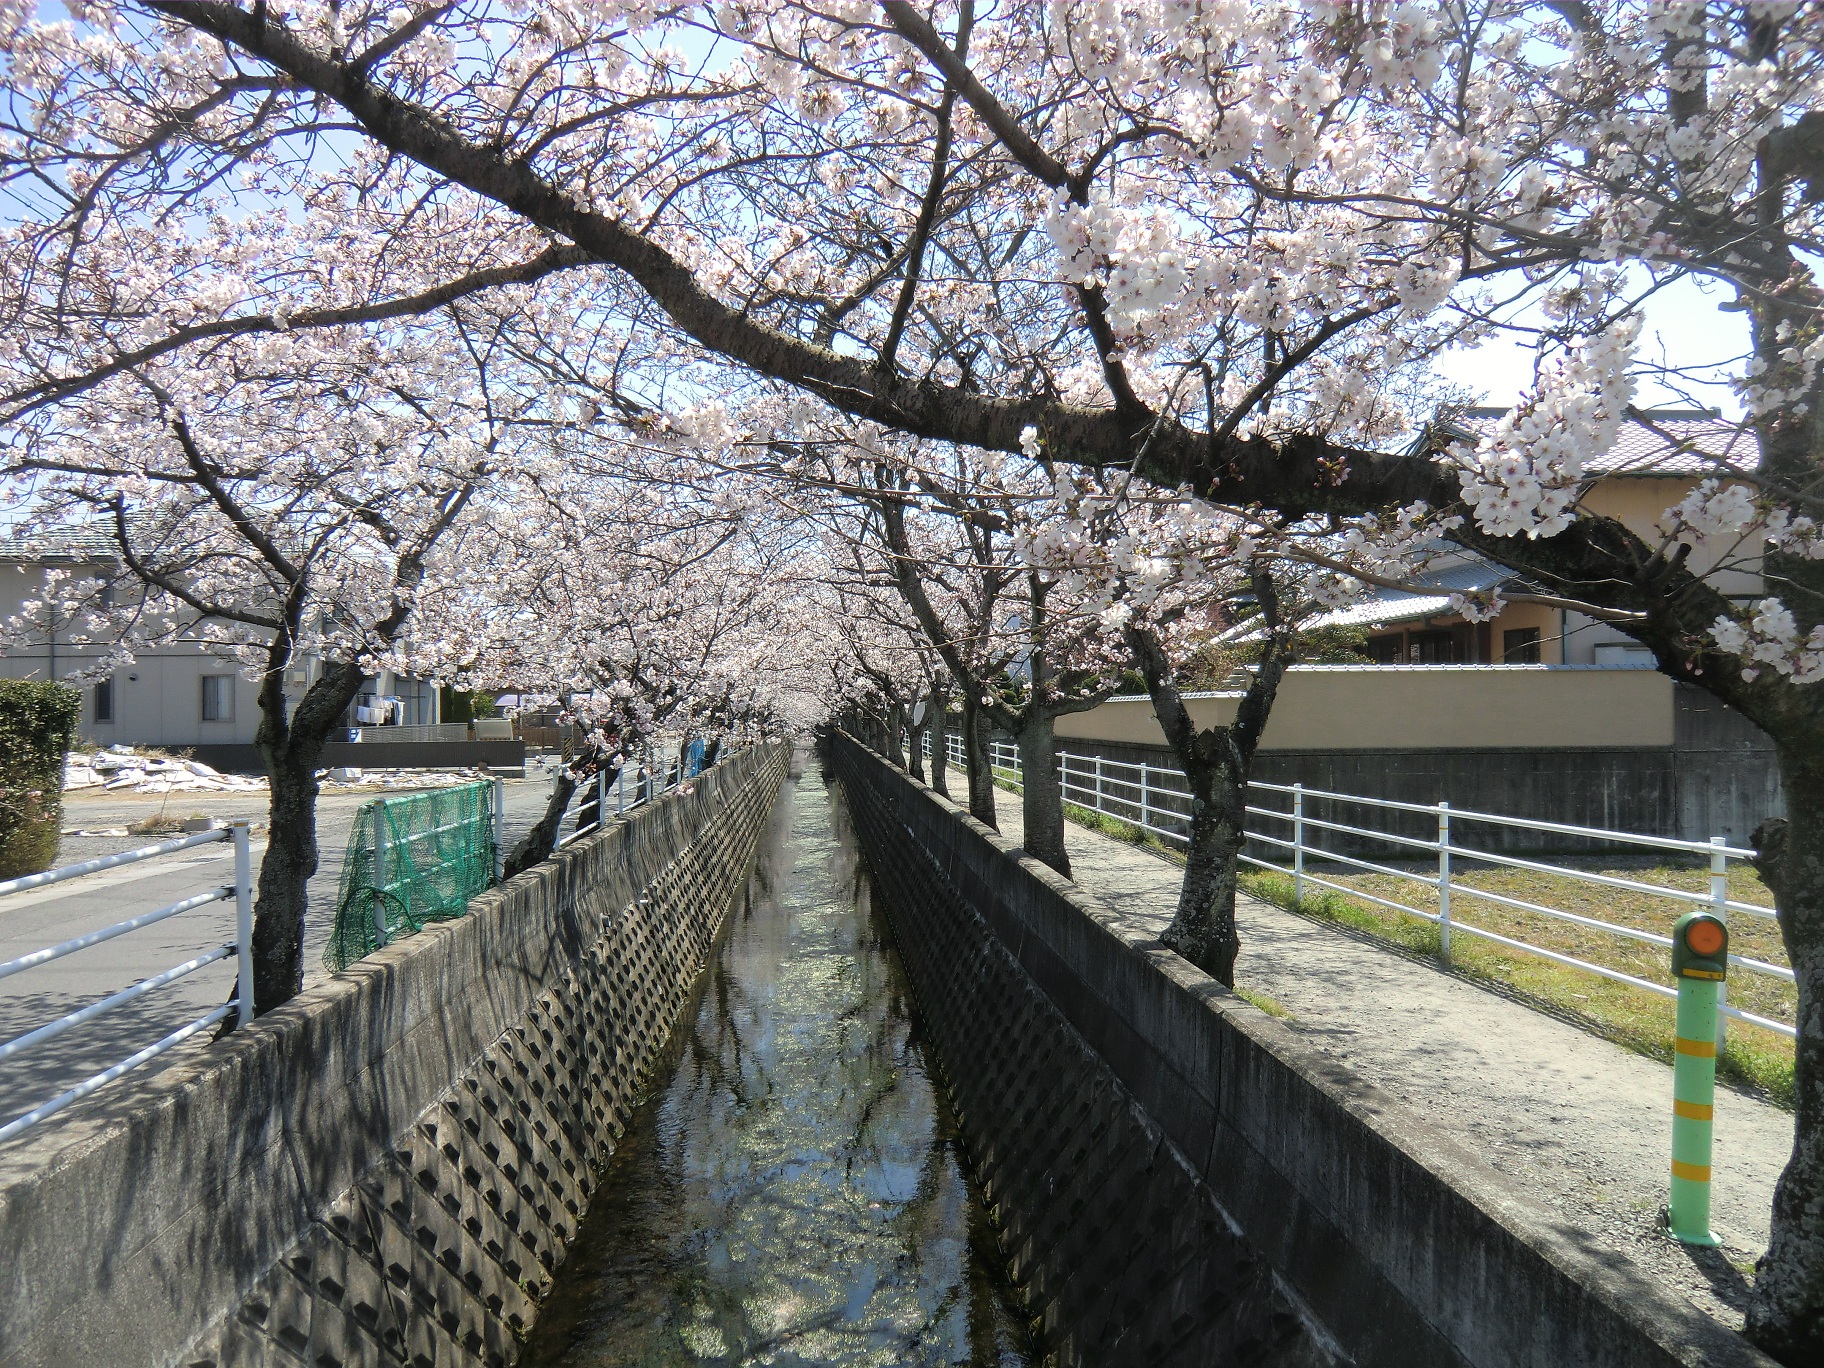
(1693, 1111)
(1700, 1049)
(1696, 1173)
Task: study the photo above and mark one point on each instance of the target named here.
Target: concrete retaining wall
(1180, 1181)
(1424, 707)
(389, 1168)
(1687, 794)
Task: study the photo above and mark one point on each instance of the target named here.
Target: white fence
(429, 731)
(1156, 799)
(631, 787)
(241, 947)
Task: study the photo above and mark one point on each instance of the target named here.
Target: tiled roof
(86, 543)
(1394, 605)
(1693, 441)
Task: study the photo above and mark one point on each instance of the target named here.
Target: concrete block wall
(1179, 1180)
(1688, 795)
(388, 1169)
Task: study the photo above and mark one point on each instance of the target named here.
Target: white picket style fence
(1156, 799)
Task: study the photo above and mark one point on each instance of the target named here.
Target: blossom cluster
(1770, 638)
(1524, 477)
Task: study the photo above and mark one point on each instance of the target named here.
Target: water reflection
(792, 1194)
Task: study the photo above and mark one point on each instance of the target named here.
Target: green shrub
(37, 725)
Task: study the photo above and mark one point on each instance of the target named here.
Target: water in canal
(791, 1193)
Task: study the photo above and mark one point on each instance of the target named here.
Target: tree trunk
(1203, 929)
(975, 758)
(537, 844)
(285, 873)
(915, 753)
(1786, 1310)
(1041, 802)
(1216, 763)
(938, 719)
(290, 743)
(895, 727)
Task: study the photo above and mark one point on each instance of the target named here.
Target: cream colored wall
(1640, 502)
(1517, 615)
(1423, 707)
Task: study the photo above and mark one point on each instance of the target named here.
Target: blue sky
(1684, 328)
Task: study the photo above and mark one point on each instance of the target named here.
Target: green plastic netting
(412, 859)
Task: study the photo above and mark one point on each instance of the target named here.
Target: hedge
(37, 726)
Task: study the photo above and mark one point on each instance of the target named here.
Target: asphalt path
(43, 917)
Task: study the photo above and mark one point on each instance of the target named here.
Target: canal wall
(1179, 1180)
(388, 1168)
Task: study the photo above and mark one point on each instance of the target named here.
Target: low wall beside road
(245, 759)
(1178, 1179)
(388, 1168)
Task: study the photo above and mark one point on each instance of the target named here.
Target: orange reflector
(1704, 937)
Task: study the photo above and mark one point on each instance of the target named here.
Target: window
(1520, 646)
(1435, 648)
(218, 698)
(104, 701)
(1384, 650)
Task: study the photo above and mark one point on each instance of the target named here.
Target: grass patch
(1272, 1006)
(1754, 1058)
(1122, 831)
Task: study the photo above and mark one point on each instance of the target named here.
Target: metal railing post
(500, 827)
(1298, 843)
(1444, 882)
(620, 791)
(1101, 802)
(243, 921)
(601, 798)
(1146, 773)
(380, 874)
(1719, 908)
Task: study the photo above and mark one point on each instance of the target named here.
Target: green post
(1700, 959)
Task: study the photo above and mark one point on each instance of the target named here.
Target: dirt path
(1582, 1121)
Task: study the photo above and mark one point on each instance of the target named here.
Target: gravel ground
(1581, 1122)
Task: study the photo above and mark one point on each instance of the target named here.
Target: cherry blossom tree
(1201, 243)
(284, 506)
(640, 598)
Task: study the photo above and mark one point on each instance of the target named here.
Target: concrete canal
(792, 1191)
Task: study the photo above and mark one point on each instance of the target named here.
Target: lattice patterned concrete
(1119, 1249)
(442, 1251)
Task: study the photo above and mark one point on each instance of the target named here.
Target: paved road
(1581, 1122)
(42, 917)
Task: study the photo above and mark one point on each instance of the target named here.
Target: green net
(412, 859)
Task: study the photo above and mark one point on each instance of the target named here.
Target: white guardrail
(241, 948)
(645, 788)
(1141, 795)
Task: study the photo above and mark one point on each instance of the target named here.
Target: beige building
(1642, 476)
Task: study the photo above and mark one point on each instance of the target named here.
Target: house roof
(1430, 596)
(1660, 442)
(94, 541)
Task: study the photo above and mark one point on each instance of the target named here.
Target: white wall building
(178, 696)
